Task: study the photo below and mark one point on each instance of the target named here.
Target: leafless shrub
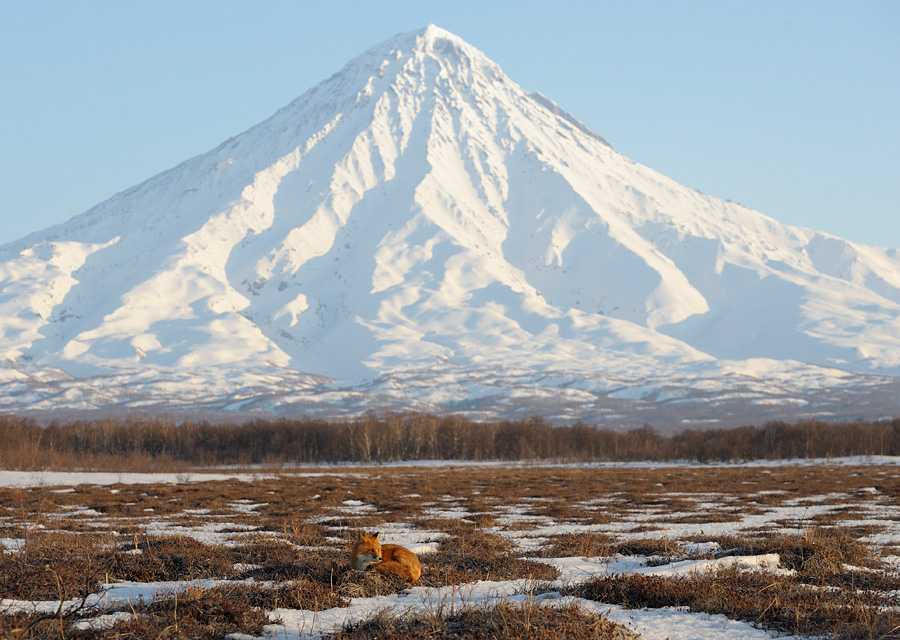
(474, 554)
(201, 614)
(173, 558)
(501, 622)
(53, 566)
(818, 554)
(263, 550)
(585, 545)
(774, 602)
(144, 444)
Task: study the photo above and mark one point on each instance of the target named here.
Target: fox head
(366, 551)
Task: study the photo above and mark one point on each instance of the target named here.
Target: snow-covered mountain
(419, 231)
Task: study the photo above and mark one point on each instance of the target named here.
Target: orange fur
(385, 558)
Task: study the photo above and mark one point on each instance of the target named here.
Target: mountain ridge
(419, 213)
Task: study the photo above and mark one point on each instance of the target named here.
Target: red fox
(386, 558)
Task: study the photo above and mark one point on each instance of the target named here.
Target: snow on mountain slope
(419, 231)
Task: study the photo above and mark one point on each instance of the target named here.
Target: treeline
(141, 443)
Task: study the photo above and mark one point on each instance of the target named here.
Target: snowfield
(418, 231)
(75, 478)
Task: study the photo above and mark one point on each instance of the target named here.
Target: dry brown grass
(304, 534)
(263, 550)
(295, 594)
(292, 499)
(52, 626)
(66, 565)
(328, 578)
(19, 625)
(593, 544)
(193, 614)
(666, 547)
(817, 555)
(321, 568)
(367, 584)
(196, 614)
(584, 545)
(31, 627)
(311, 571)
(171, 558)
(773, 602)
(483, 520)
(473, 554)
(501, 622)
(53, 566)
(469, 554)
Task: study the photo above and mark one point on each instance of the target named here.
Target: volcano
(419, 232)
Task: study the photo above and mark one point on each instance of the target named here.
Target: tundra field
(665, 551)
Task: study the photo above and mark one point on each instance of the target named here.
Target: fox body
(385, 558)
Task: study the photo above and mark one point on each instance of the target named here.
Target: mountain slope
(421, 231)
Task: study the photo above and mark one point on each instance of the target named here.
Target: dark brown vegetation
(472, 554)
(816, 555)
(171, 558)
(26, 626)
(297, 538)
(601, 544)
(501, 622)
(196, 614)
(327, 580)
(288, 503)
(585, 545)
(771, 601)
(61, 566)
(154, 444)
(806, 602)
(52, 566)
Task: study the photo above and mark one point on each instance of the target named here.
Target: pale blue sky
(792, 108)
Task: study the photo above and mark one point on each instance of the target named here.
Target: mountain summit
(419, 231)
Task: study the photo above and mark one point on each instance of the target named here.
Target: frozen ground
(652, 624)
(583, 523)
(9, 478)
(73, 478)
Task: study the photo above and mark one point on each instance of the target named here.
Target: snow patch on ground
(74, 478)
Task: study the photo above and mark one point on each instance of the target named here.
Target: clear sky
(792, 108)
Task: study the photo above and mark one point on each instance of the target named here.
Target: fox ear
(375, 536)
